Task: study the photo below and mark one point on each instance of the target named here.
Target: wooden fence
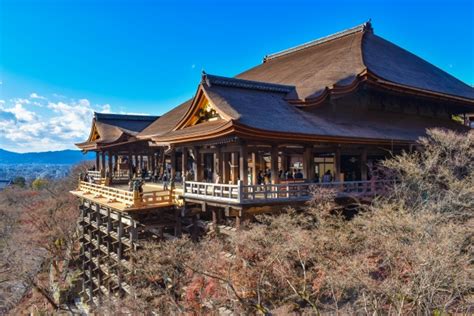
(242, 194)
(129, 198)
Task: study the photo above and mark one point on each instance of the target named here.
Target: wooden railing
(294, 191)
(129, 198)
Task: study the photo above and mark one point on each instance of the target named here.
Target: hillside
(67, 157)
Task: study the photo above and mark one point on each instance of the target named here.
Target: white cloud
(34, 95)
(21, 114)
(54, 126)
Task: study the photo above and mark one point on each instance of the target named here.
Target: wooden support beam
(337, 161)
(97, 160)
(184, 163)
(198, 165)
(225, 167)
(233, 167)
(173, 163)
(274, 165)
(243, 164)
(307, 163)
(102, 167)
(254, 158)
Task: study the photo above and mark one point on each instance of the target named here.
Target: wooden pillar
(363, 164)
(173, 164)
(225, 167)
(198, 165)
(184, 163)
(110, 165)
(254, 167)
(102, 168)
(243, 164)
(217, 162)
(337, 161)
(274, 165)
(116, 164)
(130, 167)
(233, 168)
(97, 160)
(308, 172)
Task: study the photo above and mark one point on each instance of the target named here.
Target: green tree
(39, 184)
(20, 181)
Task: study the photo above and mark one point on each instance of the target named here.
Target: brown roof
(167, 121)
(339, 59)
(113, 128)
(262, 98)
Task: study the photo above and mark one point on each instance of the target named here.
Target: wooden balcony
(125, 200)
(241, 194)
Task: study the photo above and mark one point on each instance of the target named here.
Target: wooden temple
(321, 114)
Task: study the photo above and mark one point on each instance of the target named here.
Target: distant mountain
(67, 157)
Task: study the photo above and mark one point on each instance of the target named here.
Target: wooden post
(97, 160)
(198, 168)
(233, 168)
(130, 167)
(243, 164)
(274, 165)
(184, 163)
(225, 167)
(102, 169)
(254, 167)
(173, 164)
(111, 171)
(337, 161)
(363, 164)
(308, 173)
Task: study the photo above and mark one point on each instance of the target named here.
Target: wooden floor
(104, 199)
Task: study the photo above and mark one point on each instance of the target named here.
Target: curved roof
(261, 107)
(263, 98)
(338, 60)
(110, 128)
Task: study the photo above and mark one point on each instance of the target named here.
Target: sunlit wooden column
(225, 167)
(243, 164)
(216, 161)
(363, 164)
(274, 165)
(198, 167)
(234, 167)
(184, 163)
(254, 167)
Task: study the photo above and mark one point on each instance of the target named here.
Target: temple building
(321, 114)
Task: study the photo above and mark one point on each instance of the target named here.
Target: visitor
(298, 174)
(327, 176)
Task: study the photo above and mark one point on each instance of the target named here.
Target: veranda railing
(241, 194)
(129, 198)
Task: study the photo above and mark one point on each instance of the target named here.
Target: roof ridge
(131, 117)
(246, 84)
(367, 26)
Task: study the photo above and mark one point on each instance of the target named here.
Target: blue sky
(62, 60)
